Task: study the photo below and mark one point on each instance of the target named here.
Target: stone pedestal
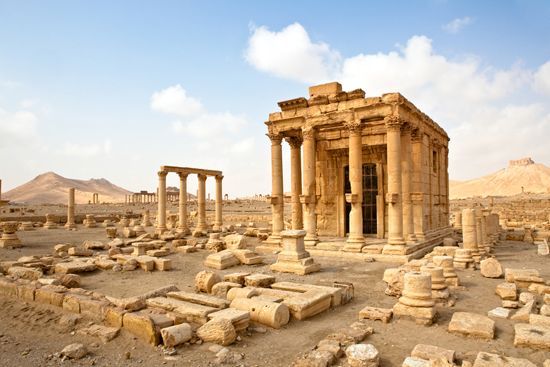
(440, 292)
(463, 259)
(446, 262)
(51, 221)
(70, 211)
(294, 258)
(90, 222)
(416, 302)
(9, 237)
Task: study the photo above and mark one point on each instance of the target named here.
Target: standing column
(201, 203)
(355, 240)
(469, 233)
(308, 198)
(0, 189)
(296, 181)
(417, 198)
(70, 210)
(394, 196)
(219, 202)
(277, 199)
(406, 171)
(161, 217)
(182, 226)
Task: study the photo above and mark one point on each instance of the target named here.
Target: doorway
(370, 192)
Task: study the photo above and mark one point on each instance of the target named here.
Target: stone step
(190, 312)
(201, 299)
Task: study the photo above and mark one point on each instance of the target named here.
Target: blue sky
(78, 81)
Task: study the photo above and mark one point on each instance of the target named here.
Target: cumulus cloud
(456, 25)
(542, 78)
(475, 102)
(19, 124)
(174, 100)
(291, 54)
(86, 150)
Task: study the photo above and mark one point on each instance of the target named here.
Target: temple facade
(360, 168)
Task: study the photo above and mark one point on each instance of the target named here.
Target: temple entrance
(370, 191)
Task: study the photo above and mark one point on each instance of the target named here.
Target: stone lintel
(189, 170)
(292, 104)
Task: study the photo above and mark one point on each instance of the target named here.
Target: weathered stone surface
(74, 351)
(416, 362)
(142, 326)
(94, 245)
(104, 333)
(259, 280)
(507, 291)
(25, 273)
(523, 277)
(267, 313)
(247, 257)
(190, 312)
(484, 359)
(510, 304)
(220, 289)
(425, 351)
(376, 313)
(542, 248)
(74, 267)
(205, 280)
(51, 295)
(523, 313)
(201, 299)
(500, 313)
(471, 324)
(540, 289)
(491, 268)
(128, 303)
(532, 336)
(331, 346)
(69, 280)
(239, 319)
(176, 335)
(314, 358)
(78, 251)
(336, 293)
(526, 297)
(308, 304)
(535, 319)
(218, 330)
(362, 355)
(545, 310)
(236, 277)
(221, 260)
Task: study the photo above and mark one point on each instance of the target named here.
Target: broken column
(480, 229)
(469, 233)
(446, 262)
(463, 259)
(458, 221)
(416, 302)
(51, 221)
(9, 237)
(294, 258)
(70, 210)
(440, 292)
(90, 222)
(146, 219)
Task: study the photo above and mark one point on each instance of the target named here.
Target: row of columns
(141, 198)
(201, 203)
(402, 225)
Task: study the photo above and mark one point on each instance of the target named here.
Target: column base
(393, 249)
(300, 267)
(183, 231)
(70, 225)
(274, 240)
(217, 228)
(160, 230)
(311, 241)
(354, 244)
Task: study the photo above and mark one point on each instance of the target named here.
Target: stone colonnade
(141, 198)
(183, 173)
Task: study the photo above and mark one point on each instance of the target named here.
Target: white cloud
(86, 150)
(20, 124)
(476, 103)
(291, 54)
(174, 100)
(457, 24)
(542, 78)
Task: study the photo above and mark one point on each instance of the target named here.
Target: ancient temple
(361, 168)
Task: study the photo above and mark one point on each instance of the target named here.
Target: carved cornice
(295, 142)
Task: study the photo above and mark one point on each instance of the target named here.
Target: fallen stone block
(428, 352)
(186, 249)
(259, 280)
(220, 289)
(74, 267)
(507, 291)
(221, 260)
(416, 362)
(190, 312)
(201, 299)
(146, 263)
(362, 355)
(523, 277)
(523, 313)
(500, 313)
(235, 277)
(158, 253)
(176, 335)
(94, 245)
(247, 257)
(314, 358)
(25, 273)
(234, 241)
(128, 303)
(240, 319)
(205, 280)
(74, 351)
(335, 292)
(163, 264)
(78, 251)
(114, 316)
(219, 331)
(141, 325)
(241, 293)
(535, 319)
(491, 268)
(471, 324)
(331, 346)
(540, 289)
(376, 313)
(532, 336)
(104, 333)
(308, 304)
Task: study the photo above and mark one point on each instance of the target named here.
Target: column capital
(354, 127)
(416, 134)
(201, 177)
(295, 142)
(162, 174)
(219, 178)
(308, 133)
(276, 139)
(183, 175)
(393, 122)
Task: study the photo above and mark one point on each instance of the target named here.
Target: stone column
(182, 226)
(219, 202)
(355, 240)
(0, 189)
(296, 181)
(469, 233)
(406, 171)
(308, 199)
(70, 210)
(277, 199)
(417, 197)
(161, 217)
(458, 221)
(394, 196)
(201, 204)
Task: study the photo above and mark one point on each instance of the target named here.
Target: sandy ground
(30, 334)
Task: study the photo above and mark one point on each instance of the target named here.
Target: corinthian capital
(393, 122)
(276, 139)
(308, 133)
(354, 127)
(162, 174)
(294, 141)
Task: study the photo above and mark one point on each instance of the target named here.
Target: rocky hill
(523, 175)
(51, 188)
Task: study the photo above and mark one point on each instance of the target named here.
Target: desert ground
(33, 334)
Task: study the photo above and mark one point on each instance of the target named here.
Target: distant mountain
(523, 175)
(51, 188)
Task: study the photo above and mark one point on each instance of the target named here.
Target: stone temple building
(370, 172)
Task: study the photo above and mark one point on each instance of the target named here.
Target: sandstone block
(113, 316)
(471, 324)
(142, 326)
(331, 346)
(500, 313)
(74, 351)
(94, 245)
(205, 280)
(523, 277)
(259, 280)
(532, 336)
(69, 280)
(78, 251)
(376, 313)
(526, 297)
(308, 304)
(247, 257)
(535, 319)
(176, 335)
(314, 358)
(239, 319)
(523, 313)
(336, 293)
(25, 292)
(185, 249)
(416, 362)
(220, 289)
(187, 311)
(494, 360)
(267, 313)
(163, 264)
(219, 331)
(221, 260)
(491, 268)
(241, 293)
(104, 333)
(235, 277)
(25, 273)
(200, 299)
(540, 289)
(428, 352)
(362, 355)
(507, 291)
(50, 295)
(73, 267)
